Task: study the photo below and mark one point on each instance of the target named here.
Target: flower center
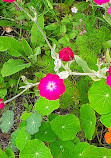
(51, 86)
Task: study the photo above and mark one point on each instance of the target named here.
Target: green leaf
(87, 120)
(107, 17)
(83, 64)
(46, 133)
(35, 149)
(45, 106)
(26, 47)
(100, 97)
(97, 152)
(3, 92)
(12, 45)
(12, 147)
(9, 153)
(79, 148)
(62, 149)
(76, 140)
(7, 120)
(81, 6)
(106, 120)
(12, 66)
(36, 36)
(65, 127)
(69, 2)
(13, 136)
(33, 123)
(22, 138)
(25, 115)
(2, 154)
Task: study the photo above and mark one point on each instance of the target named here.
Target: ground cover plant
(55, 79)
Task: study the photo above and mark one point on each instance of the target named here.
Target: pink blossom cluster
(100, 2)
(81, 33)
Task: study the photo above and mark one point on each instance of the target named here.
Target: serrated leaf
(7, 120)
(45, 106)
(33, 123)
(106, 120)
(35, 149)
(36, 36)
(3, 154)
(12, 66)
(9, 153)
(87, 120)
(62, 149)
(22, 138)
(100, 97)
(65, 127)
(79, 148)
(12, 45)
(27, 49)
(45, 133)
(97, 152)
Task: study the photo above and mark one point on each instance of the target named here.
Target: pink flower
(109, 10)
(80, 20)
(1, 104)
(66, 54)
(84, 31)
(81, 33)
(108, 80)
(10, 1)
(99, 2)
(51, 87)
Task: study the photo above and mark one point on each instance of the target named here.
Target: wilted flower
(109, 10)
(10, 1)
(51, 87)
(74, 10)
(1, 104)
(99, 2)
(66, 54)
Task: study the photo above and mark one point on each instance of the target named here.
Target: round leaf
(65, 127)
(61, 149)
(106, 120)
(46, 133)
(35, 149)
(87, 120)
(22, 139)
(45, 107)
(100, 97)
(2, 154)
(33, 123)
(79, 148)
(9, 153)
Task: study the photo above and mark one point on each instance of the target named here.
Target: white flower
(57, 63)
(74, 10)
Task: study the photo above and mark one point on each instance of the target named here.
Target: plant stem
(9, 100)
(82, 74)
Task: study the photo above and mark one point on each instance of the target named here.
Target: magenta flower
(66, 54)
(1, 104)
(99, 2)
(108, 80)
(51, 87)
(109, 10)
(10, 1)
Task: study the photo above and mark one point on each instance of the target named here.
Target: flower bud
(66, 54)
(1, 104)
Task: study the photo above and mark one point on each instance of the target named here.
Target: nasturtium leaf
(25, 115)
(62, 149)
(9, 153)
(45, 106)
(65, 127)
(12, 45)
(12, 66)
(79, 148)
(106, 120)
(35, 149)
(46, 133)
(87, 120)
(12, 147)
(7, 120)
(100, 97)
(33, 123)
(3, 154)
(97, 152)
(14, 135)
(76, 140)
(52, 116)
(22, 124)
(27, 49)
(22, 139)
